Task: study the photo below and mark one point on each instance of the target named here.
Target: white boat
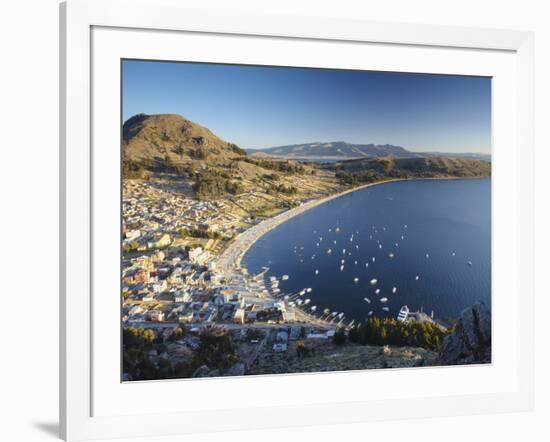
(285, 277)
(427, 255)
(309, 290)
(337, 229)
(379, 246)
(403, 314)
(373, 281)
(383, 299)
(334, 241)
(370, 313)
(342, 261)
(340, 315)
(470, 263)
(373, 259)
(377, 291)
(386, 309)
(367, 300)
(355, 262)
(307, 301)
(453, 254)
(393, 290)
(343, 251)
(396, 244)
(276, 290)
(316, 272)
(391, 255)
(314, 308)
(341, 268)
(356, 280)
(366, 264)
(416, 278)
(303, 292)
(329, 251)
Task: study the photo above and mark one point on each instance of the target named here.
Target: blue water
(435, 217)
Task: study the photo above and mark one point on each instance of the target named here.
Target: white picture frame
(79, 377)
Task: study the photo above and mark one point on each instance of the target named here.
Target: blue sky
(257, 107)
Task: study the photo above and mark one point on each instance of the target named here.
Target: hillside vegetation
(168, 146)
(376, 169)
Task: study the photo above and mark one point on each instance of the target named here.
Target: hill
(160, 141)
(179, 154)
(376, 169)
(341, 150)
(332, 150)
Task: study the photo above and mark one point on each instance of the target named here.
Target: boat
(341, 268)
(367, 300)
(343, 251)
(386, 309)
(356, 280)
(366, 264)
(355, 262)
(373, 259)
(340, 315)
(384, 299)
(329, 251)
(470, 263)
(379, 246)
(303, 292)
(342, 261)
(285, 277)
(403, 314)
(416, 278)
(373, 281)
(314, 308)
(427, 255)
(453, 254)
(316, 272)
(393, 290)
(377, 291)
(309, 290)
(391, 255)
(307, 301)
(276, 290)
(370, 313)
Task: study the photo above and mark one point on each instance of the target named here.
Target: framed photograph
(298, 220)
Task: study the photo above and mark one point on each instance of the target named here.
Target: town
(171, 279)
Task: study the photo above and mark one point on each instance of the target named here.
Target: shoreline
(230, 259)
(232, 256)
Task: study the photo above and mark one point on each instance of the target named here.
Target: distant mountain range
(340, 150)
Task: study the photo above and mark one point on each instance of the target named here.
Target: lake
(430, 239)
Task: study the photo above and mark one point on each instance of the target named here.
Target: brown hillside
(155, 140)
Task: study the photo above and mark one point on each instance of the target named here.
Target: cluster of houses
(153, 217)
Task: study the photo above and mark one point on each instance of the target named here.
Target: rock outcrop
(470, 343)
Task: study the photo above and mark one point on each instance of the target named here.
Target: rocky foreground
(330, 357)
